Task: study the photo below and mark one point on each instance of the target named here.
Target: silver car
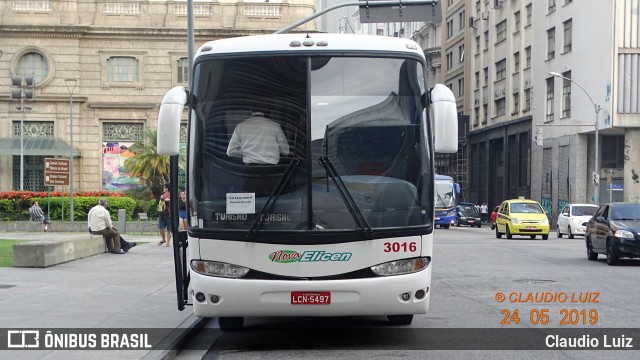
(571, 218)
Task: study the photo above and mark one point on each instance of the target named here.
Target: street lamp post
(596, 108)
(22, 89)
(71, 85)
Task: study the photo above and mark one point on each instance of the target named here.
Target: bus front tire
(230, 323)
(400, 319)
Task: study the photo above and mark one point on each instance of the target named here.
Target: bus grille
(358, 274)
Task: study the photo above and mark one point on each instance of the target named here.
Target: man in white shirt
(484, 209)
(99, 221)
(258, 140)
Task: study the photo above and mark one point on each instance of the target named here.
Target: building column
(632, 165)
(579, 173)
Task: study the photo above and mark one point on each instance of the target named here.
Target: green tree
(147, 164)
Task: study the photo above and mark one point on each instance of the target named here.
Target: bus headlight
(219, 269)
(399, 267)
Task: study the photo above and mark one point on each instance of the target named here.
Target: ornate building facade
(100, 68)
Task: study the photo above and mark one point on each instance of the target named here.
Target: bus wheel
(400, 319)
(230, 323)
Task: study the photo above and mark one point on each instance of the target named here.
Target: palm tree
(147, 164)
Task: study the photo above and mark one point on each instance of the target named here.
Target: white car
(571, 218)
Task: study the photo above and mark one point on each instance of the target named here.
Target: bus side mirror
(169, 118)
(445, 119)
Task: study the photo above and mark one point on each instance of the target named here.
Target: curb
(178, 338)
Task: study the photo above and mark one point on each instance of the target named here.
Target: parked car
(522, 217)
(572, 217)
(613, 231)
(494, 216)
(468, 215)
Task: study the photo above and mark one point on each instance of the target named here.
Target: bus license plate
(310, 298)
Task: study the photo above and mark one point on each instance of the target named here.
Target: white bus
(341, 226)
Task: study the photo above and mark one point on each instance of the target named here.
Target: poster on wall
(114, 174)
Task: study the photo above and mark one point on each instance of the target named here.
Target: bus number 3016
(400, 247)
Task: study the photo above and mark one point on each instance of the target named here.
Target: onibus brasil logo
(291, 256)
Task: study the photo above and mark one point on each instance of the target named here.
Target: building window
(485, 113)
(612, 152)
(461, 53)
(32, 165)
(183, 70)
(461, 19)
(516, 103)
(566, 95)
(516, 62)
(461, 87)
(500, 107)
(550, 94)
(486, 76)
(122, 69)
(476, 119)
(486, 40)
(528, 10)
(449, 28)
(501, 69)
(477, 78)
(567, 35)
(449, 60)
(501, 31)
(516, 21)
(527, 100)
(527, 54)
(379, 32)
(33, 63)
(477, 44)
(551, 43)
(117, 138)
(551, 6)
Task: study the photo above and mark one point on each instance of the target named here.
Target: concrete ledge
(45, 253)
(131, 227)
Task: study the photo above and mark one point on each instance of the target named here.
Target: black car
(613, 231)
(468, 215)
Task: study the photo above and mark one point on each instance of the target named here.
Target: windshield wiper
(439, 197)
(361, 222)
(271, 201)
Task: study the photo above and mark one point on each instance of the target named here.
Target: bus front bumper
(391, 295)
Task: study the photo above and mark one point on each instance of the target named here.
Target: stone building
(100, 68)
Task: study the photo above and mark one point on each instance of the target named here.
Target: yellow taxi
(522, 217)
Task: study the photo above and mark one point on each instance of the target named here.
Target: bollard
(122, 221)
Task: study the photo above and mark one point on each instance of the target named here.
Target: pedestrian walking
(164, 217)
(484, 210)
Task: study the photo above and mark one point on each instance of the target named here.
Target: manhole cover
(533, 281)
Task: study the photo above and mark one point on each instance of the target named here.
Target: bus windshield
(445, 194)
(343, 150)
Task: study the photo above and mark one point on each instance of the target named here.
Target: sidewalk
(134, 290)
